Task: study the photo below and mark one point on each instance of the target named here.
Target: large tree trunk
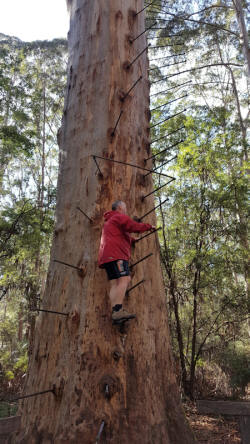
(99, 373)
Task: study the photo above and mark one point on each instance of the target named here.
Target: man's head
(120, 206)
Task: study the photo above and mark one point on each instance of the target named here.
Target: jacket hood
(109, 214)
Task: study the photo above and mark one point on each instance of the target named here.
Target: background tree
(211, 168)
(28, 184)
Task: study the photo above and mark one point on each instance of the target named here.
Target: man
(114, 253)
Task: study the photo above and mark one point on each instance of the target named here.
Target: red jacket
(116, 241)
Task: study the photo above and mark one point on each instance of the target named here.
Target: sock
(117, 307)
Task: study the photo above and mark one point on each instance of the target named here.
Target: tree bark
(99, 373)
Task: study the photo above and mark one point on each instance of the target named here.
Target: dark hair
(116, 204)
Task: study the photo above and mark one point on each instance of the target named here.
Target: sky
(34, 19)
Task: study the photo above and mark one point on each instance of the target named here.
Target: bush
(212, 382)
(8, 409)
(21, 364)
(235, 361)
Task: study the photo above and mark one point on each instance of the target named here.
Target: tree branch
(196, 68)
(4, 293)
(210, 331)
(199, 22)
(210, 7)
(13, 226)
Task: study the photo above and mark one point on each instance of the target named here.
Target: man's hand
(136, 219)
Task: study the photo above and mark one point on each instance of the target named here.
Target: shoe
(122, 315)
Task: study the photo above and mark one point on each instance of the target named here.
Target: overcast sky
(34, 19)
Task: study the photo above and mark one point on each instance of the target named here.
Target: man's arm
(131, 226)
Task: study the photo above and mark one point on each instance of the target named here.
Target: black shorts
(117, 269)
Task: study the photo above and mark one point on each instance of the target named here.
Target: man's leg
(117, 294)
(118, 289)
(118, 275)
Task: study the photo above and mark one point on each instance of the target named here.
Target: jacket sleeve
(131, 226)
(132, 239)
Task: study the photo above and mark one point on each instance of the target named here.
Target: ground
(207, 429)
(212, 429)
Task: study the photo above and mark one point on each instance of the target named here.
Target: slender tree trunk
(194, 334)
(179, 338)
(243, 232)
(172, 289)
(20, 324)
(99, 373)
(204, 217)
(41, 184)
(241, 121)
(43, 147)
(242, 25)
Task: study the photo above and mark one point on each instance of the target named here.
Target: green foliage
(235, 361)
(13, 351)
(22, 363)
(9, 375)
(14, 141)
(8, 409)
(204, 242)
(32, 85)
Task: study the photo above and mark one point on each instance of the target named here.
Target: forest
(199, 65)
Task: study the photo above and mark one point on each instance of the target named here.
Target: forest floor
(212, 429)
(207, 429)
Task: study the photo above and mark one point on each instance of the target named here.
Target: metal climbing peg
(100, 432)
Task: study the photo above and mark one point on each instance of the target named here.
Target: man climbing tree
(88, 379)
(114, 253)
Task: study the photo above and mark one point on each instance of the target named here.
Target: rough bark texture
(81, 355)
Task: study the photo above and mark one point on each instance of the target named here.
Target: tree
(96, 373)
(242, 26)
